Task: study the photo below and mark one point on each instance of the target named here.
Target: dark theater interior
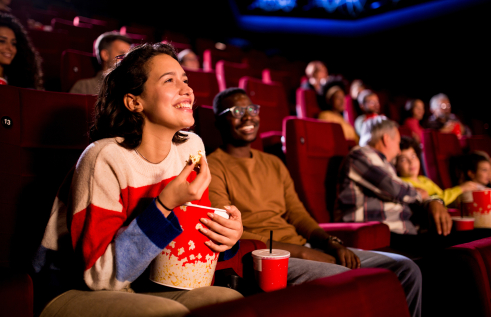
(371, 111)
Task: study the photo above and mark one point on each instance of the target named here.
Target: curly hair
(25, 69)
(112, 118)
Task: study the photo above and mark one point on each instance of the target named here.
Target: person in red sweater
(114, 215)
(415, 109)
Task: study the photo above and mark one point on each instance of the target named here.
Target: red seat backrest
(138, 32)
(479, 143)
(229, 74)
(314, 153)
(212, 56)
(204, 85)
(76, 65)
(438, 150)
(47, 136)
(271, 98)
(81, 37)
(349, 113)
(307, 105)
(405, 131)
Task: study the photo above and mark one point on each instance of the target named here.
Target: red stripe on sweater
(94, 228)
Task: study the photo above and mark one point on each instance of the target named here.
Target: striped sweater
(105, 224)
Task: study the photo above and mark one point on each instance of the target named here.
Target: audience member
(415, 110)
(356, 87)
(115, 214)
(477, 168)
(107, 47)
(443, 119)
(317, 76)
(408, 165)
(370, 190)
(261, 187)
(369, 103)
(188, 59)
(335, 104)
(4, 6)
(20, 64)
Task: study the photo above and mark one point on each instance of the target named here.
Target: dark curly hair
(408, 142)
(112, 118)
(25, 69)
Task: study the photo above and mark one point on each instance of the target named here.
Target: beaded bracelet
(161, 204)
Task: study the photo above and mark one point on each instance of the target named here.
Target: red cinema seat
(213, 55)
(100, 25)
(314, 154)
(204, 85)
(138, 33)
(438, 150)
(361, 292)
(349, 113)
(285, 78)
(465, 270)
(81, 37)
(255, 59)
(479, 143)
(76, 65)
(307, 105)
(229, 74)
(405, 131)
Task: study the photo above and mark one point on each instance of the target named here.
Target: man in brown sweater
(259, 185)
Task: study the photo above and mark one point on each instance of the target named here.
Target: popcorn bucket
(187, 263)
(478, 206)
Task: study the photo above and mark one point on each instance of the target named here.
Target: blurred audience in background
(408, 167)
(317, 76)
(188, 59)
(443, 119)
(333, 105)
(20, 64)
(370, 105)
(414, 113)
(4, 5)
(107, 46)
(356, 87)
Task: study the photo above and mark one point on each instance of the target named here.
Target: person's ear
(104, 55)
(133, 103)
(385, 138)
(471, 174)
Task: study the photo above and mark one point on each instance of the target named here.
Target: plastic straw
(270, 241)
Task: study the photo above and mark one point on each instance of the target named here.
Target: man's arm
(380, 180)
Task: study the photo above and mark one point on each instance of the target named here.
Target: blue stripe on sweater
(139, 243)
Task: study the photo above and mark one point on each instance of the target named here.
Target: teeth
(183, 105)
(247, 127)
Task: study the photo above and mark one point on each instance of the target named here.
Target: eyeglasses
(238, 112)
(445, 106)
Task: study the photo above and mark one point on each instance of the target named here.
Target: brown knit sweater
(262, 189)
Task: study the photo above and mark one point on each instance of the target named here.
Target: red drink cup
(463, 224)
(3, 81)
(271, 268)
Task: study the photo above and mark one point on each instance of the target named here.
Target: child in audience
(478, 169)
(20, 64)
(415, 109)
(115, 214)
(188, 59)
(408, 165)
(335, 104)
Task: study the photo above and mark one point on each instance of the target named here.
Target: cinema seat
(204, 85)
(212, 55)
(479, 143)
(287, 80)
(314, 154)
(361, 292)
(76, 65)
(307, 106)
(349, 113)
(229, 74)
(81, 37)
(461, 273)
(438, 152)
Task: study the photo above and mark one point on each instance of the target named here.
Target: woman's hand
(180, 191)
(469, 186)
(223, 233)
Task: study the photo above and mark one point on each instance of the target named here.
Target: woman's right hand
(469, 186)
(180, 191)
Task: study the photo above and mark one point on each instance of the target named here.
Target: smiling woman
(20, 64)
(123, 193)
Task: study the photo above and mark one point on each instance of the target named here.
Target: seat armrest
(16, 293)
(236, 263)
(362, 235)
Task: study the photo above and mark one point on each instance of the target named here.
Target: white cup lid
(276, 254)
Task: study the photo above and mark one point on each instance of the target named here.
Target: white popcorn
(180, 251)
(191, 245)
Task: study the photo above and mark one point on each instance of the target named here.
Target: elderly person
(107, 46)
(443, 119)
(370, 190)
(369, 103)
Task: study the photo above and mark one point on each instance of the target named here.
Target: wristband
(161, 204)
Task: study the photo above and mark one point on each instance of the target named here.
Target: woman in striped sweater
(114, 215)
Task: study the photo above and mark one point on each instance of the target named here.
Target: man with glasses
(443, 119)
(369, 103)
(260, 186)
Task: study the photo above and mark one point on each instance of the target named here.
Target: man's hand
(344, 256)
(301, 252)
(443, 221)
